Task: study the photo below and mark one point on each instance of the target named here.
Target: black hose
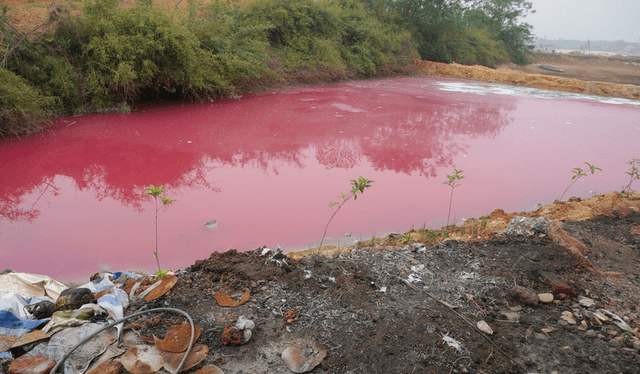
(173, 310)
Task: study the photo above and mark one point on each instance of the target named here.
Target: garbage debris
(195, 357)
(142, 359)
(226, 300)
(622, 325)
(276, 256)
(238, 333)
(211, 224)
(42, 309)
(29, 285)
(414, 278)
(81, 358)
(290, 316)
(160, 288)
(31, 365)
(107, 367)
(177, 338)
(14, 326)
(30, 338)
(74, 298)
(304, 355)
(419, 248)
(451, 342)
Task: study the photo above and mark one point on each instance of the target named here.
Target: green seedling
(358, 186)
(633, 173)
(578, 173)
(157, 192)
(452, 181)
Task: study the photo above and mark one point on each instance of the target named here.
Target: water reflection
(398, 128)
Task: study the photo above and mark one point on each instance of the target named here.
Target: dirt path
(519, 78)
(391, 308)
(624, 70)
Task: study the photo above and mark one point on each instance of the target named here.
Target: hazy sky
(587, 19)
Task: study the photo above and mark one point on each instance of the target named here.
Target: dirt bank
(387, 308)
(509, 76)
(557, 290)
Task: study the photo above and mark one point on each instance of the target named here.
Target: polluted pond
(553, 290)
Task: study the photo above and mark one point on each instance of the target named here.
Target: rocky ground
(551, 291)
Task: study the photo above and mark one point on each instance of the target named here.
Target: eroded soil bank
(386, 308)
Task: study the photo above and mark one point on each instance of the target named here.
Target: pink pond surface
(266, 166)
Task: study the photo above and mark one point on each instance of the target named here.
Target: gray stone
(527, 226)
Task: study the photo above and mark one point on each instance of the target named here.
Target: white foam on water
(499, 89)
(347, 108)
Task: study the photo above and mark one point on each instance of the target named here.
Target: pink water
(265, 167)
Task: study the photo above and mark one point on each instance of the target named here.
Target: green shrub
(110, 57)
(23, 109)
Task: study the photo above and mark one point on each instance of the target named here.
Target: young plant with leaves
(578, 173)
(159, 197)
(358, 186)
(633, 173)
(453, 181)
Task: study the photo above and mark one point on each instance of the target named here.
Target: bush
(23, 110)
(110, 57)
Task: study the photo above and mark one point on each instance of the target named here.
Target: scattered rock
(586, 302)
(547, 330)
(568, 317)
(527, 226)
(304, 355)
(484, 327)
(74, 298)
(545, 298)
(31, 365)
(524, 295)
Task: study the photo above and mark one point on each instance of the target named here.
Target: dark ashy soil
(387, 310)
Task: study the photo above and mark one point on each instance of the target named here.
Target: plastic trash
(29, 285)
(80, 360)
(17, 304)
(14, 326)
